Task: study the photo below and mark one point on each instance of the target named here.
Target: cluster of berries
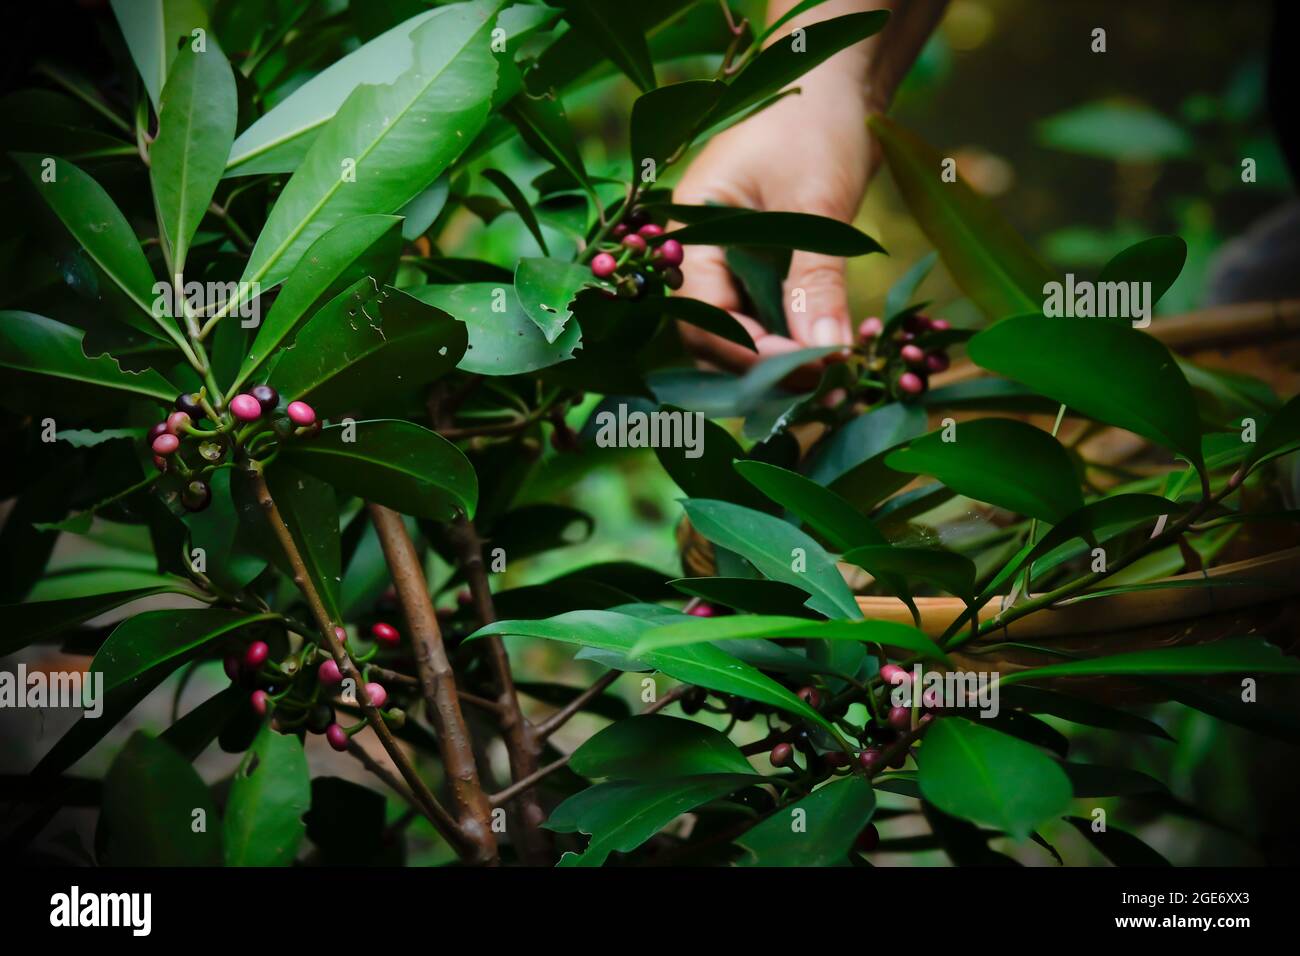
(183, 448)
(629, 261)
(299, 692)
(907, 357)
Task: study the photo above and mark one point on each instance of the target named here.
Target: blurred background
(1085, 154)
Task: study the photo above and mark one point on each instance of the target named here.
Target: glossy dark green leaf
(781, 230)
(154, 31)
(1080, 710)
(194, 732)
(1234, 655)
(504, 340)
(837, 521)
(546, 289)
(703, 316)
(986, 257)
(27, 623)
(517, 201)
(667, 118)
(710, 474)
(196, 125)
(1092, 780)
(156, 811)
(978, 774)
(394, 463)
(616, 35)
(901, 293)
(779, 550)
(357, 247)
(228, 558)
(657, 747)
(1002, 461)
(952, 572)
(863, 440)
(622, 815)
(1279, 435)
(1115, 374)
(367, 344)
(754, 595)
(817, 830)
(270, 793)
(1158, 260)
(309, 508)
(1118, 846)
(544, 126)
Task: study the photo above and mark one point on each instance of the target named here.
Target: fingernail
(829, 331)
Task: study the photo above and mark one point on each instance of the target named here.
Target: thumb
(817, 304)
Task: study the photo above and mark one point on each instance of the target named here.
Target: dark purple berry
(196, 496)
(266, 396)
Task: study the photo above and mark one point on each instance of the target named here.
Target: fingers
(728, 355)
(817, 305)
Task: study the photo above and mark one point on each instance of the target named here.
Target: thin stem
(562, 716)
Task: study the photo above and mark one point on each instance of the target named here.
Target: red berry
(231, 664)
(378, 696)
(634, 242)
(940, 325)
(900, 717)
(672, 277)
(936, 361)
(836, 758)
(912, 355)
(619, 231)
(872, 759)
(782, 755)
(702, 610)
(670, 252)
(300, 413)
(258, 699)
(245, 407)
(909, 383)
(810, 696)
(337, 737)
(155, 431)
(868, 839)
(329, 673)
(603, 265)
(176, 422)
(870, 328)
(893, 674)
(165, 444)
(256, 654)
(385, 634)
(650, 230)
(266, 396)
(341, 634)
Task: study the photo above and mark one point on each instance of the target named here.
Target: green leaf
(1001, 461)
(702, 315)
(656, 746)
(278, 140)
(309, 508)
(837, 521)
(954, 573)
(394, 463)
(863, 440)
(270, 793)
(396, 138)
(901, 292)
(694, 631)
(1279, 435)
(779, 22)
(620, 816)
(362, 246)
(1236, 655)
(781, 63)
(151, 795)
(1124, 132)
(617, 36)
(232, 562)
(1115, 374)
(668, 118)
(153, 30)
(780, 230)
(154, 641)
(501, 342)
(366, 345)
(1158, 260)
(702, 664)
(987, 258)
(33, 343)
(546, 289)
(753, 595)
(1118, 846)
(830, 819)
(28, 623)
(709, 475)
(777, 549)
(1079, 710)
(196, 125)
(94, 220)
(1091, 780)
(520, 205)
(544, 126)
(981, 775)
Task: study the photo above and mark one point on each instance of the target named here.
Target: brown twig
(555, 721)
(437, 680)
(428, 803)
(379, 770)
(397, 677)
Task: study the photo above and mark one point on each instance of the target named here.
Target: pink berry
(940, 325)
(329, 673)
(900, 718)
(893, 674)
(670, 252)
(872, 759)
(258, 700)
(337, 737)
(634, 242)
(650, 230)
(385, 634)
(341, 634)
(870, 328)
(256, 654)
(231, 664)
(912, 355)
(810, 696)
(378, 696)
(909, 383)
(166, 444)
(159, 429)
(936, 361)
(246, 408)
(619, 231)
(300, 413)
(176, 422)
(604, 265)
(702, 610)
